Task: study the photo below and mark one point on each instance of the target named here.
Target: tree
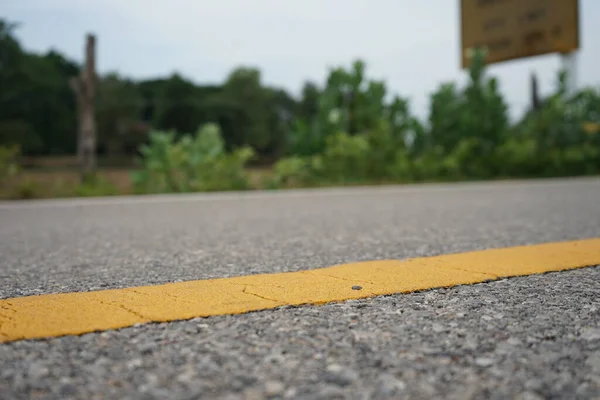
(467, 125)
(14, 126)
(177, 106)
(308, 106)
(11, 61)
(36, 104)
(119, 107)
(445, 118)
(281, 108)
(244, 92)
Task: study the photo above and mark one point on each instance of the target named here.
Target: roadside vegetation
(171, 135)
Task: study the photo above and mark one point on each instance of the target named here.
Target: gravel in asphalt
(532, 337)
(51, 249)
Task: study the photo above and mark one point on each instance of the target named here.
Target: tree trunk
(84, 88)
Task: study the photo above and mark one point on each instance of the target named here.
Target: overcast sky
(412, 44)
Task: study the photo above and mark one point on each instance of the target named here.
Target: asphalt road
(530, 337)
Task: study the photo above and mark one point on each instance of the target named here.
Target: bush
(226, 172)
(190, 164)
(518, 158)
(400, 168)
(346, 158)
(292, 171)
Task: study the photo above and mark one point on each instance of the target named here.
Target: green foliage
(387, 148)
(345, 157)
(352, 103)
(177, 105)
(192, 163)
(118, 106)
(382, 141)
(20, 133)
(347, 129)
(243, 87)
(557, 140)
(469, 123)
(373, 155)
(37, 108)
(469, 135)
(291, 171)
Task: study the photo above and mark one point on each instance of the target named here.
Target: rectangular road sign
(512, 29)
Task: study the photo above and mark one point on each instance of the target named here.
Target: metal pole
(569, 65)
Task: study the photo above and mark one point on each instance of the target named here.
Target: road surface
(527, 337)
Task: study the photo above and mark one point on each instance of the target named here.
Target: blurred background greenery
(171, 135)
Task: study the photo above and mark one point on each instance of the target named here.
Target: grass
(59, 178)
(56, 177)
(62, 183)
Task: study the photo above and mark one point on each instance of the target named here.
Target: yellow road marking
(53, 315)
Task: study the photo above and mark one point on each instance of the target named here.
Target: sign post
(569, 65)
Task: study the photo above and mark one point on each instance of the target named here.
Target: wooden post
(84, 88)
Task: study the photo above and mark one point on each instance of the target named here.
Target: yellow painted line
(83, 312)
